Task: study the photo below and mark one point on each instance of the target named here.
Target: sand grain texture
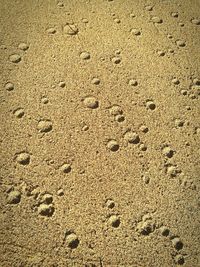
(100, 133)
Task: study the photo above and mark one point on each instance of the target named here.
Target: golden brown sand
(100, 126)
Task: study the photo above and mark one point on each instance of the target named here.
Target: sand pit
(100, 133)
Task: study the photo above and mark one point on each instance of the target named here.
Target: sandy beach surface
(100, 133)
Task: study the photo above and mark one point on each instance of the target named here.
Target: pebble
(66, 168)
(150, 105)
(44, 126)
(114, 221)
(149, 8)
(132, 137)
(115, 110)
(51, 31)
(196, 21)
(23, 46)
(70, 29)
(156, 20)
(174, 14)
(146, 179)
(133, 82)
(85, 55)
(85, 128)
(72, 240)
(15, 58)
(116, 60)
(46, 210)
(117, 20)
(19, 113)
(132, 15)
(62, 84)
(95, 81)
(175, 81)
(44, 100)
(60, 4)
(91, 102)
(177, 243)
(180, 43)
(161, 53)
(188, 107)
(84, 20)
(113, 145)
(14, 197)
(23, 158)
(60, 192)
(136, 32)
(9, 86)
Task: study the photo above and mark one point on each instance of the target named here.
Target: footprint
(113, 145)
(167, 151)
(71, 240)
(46, 206)
(146, 226)
(150, 105)
(14, 197)
(110, 203)
(114, 221)
(46, 210)
(116, 60)
(23, 158)
(180, 43)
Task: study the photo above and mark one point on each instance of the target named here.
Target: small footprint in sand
(23, 158)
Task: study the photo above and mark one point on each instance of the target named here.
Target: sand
(100, 133)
